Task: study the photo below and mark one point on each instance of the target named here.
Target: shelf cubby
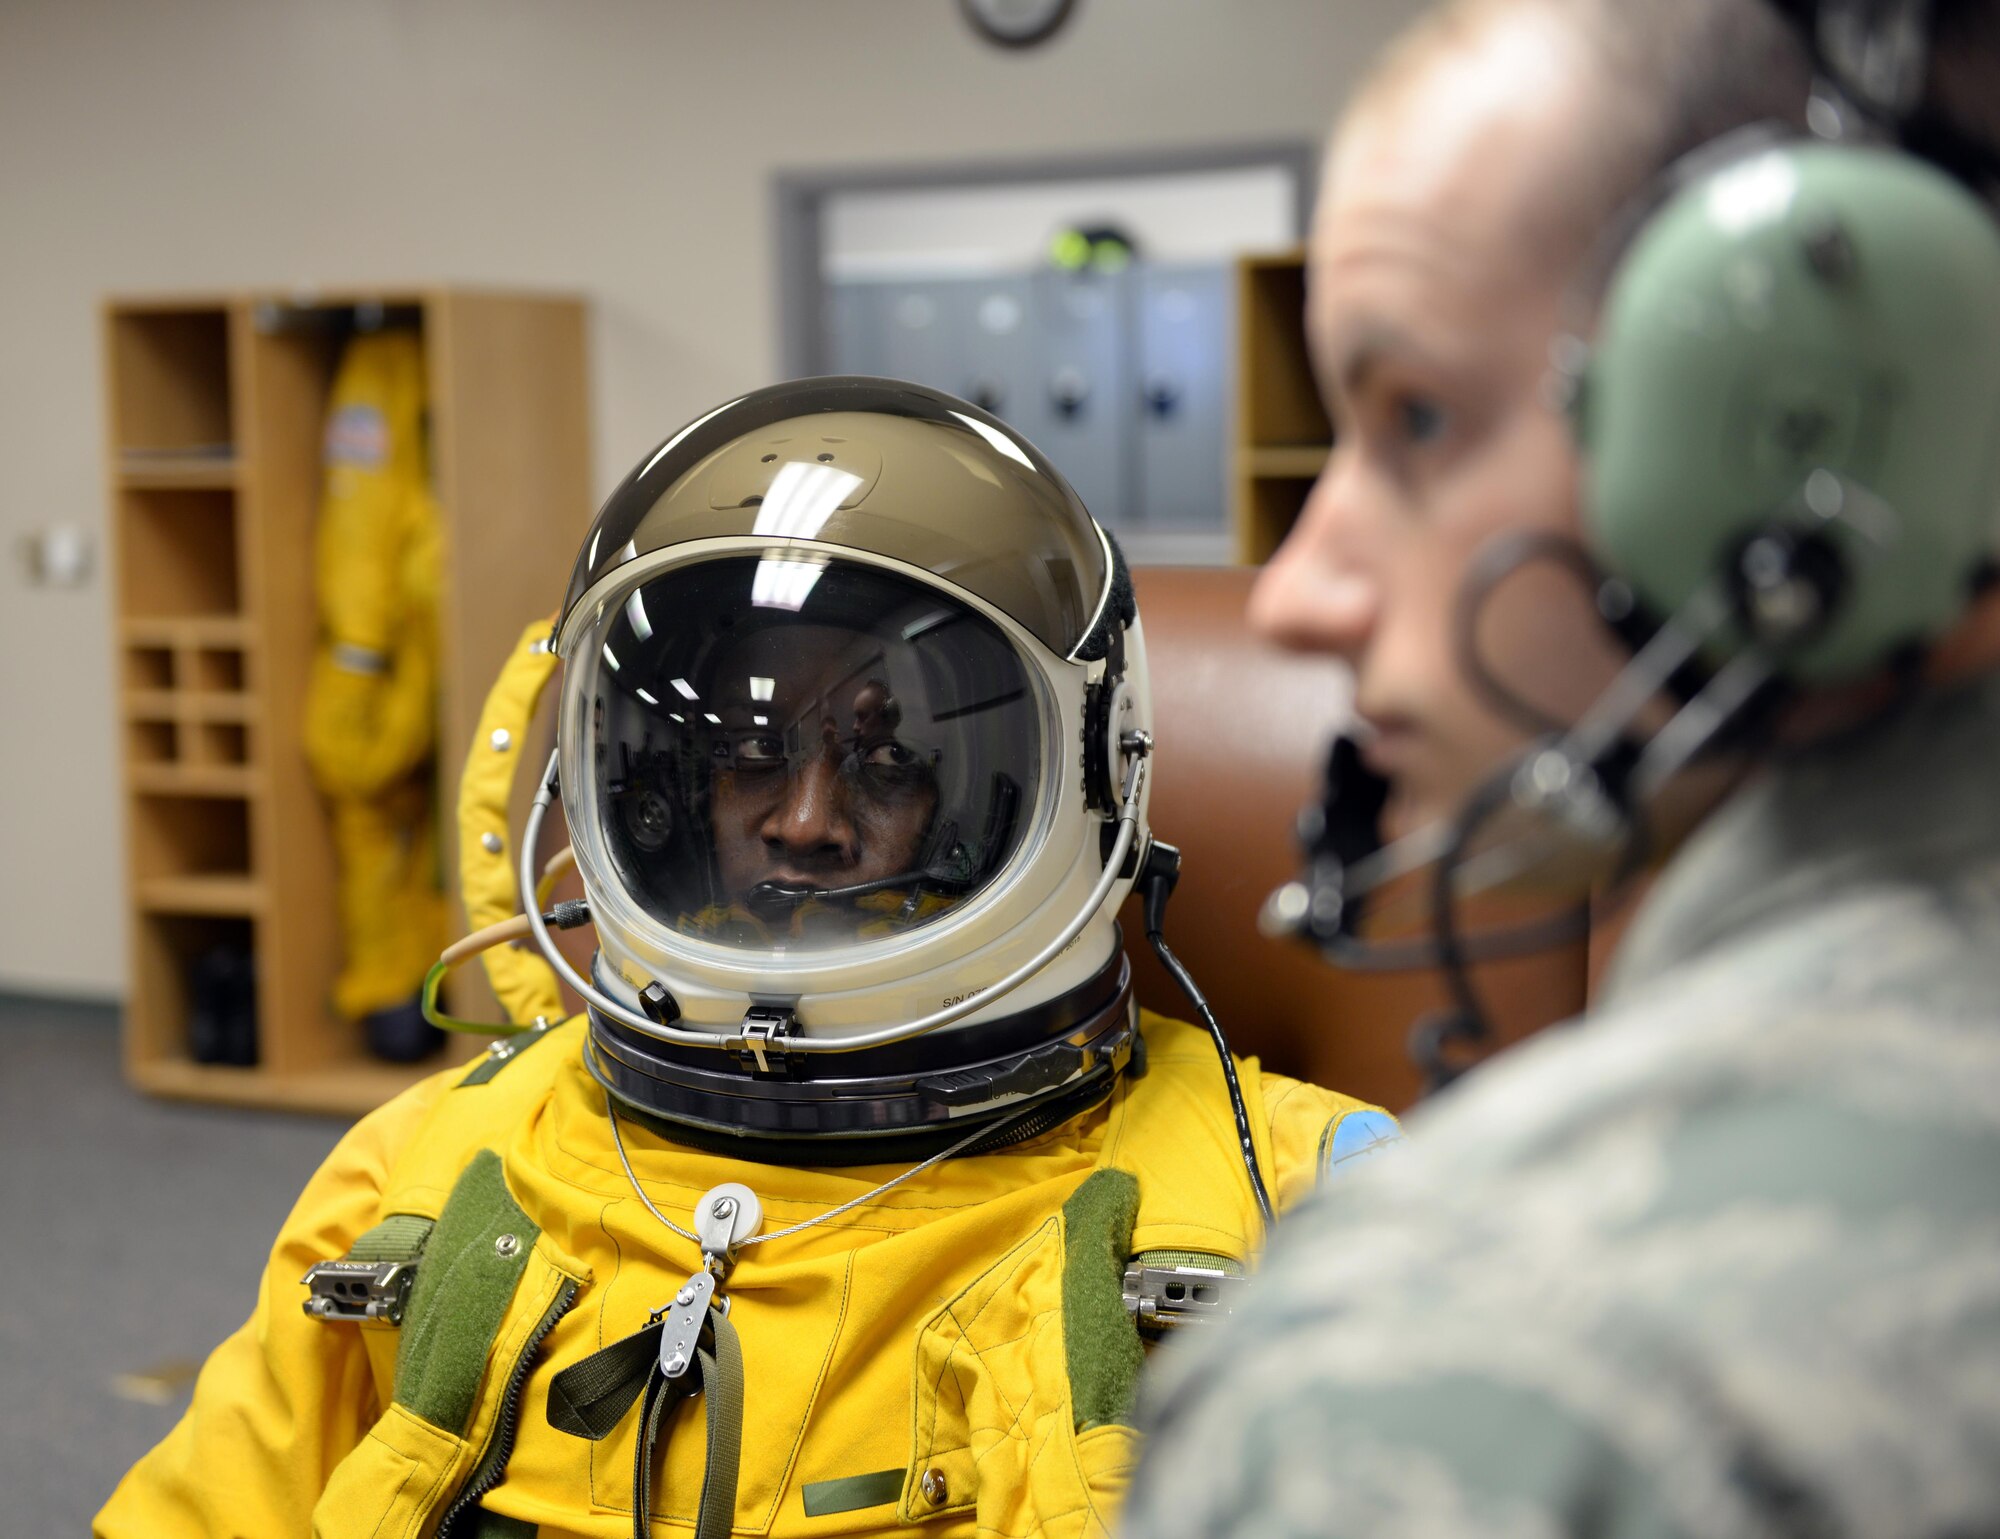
(170, 383)
(180, 553)
(217, 670)
(189, 835)
(166, 947)
(152, 740)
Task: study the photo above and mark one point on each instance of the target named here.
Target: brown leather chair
(1241, 731)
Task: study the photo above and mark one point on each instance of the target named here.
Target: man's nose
(1318, 594)
(811, 817)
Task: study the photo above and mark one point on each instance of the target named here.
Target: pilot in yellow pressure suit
(849, 1202)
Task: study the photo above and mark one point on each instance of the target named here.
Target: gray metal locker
(924, 331)
(1119, 378)
(974, 337)
(1078, 413)
(1181, 328)
(999, 368)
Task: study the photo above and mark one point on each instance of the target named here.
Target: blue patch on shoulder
(1358, 1135)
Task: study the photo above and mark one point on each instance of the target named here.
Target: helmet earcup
(1809, 308)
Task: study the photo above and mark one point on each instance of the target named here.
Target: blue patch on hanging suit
(357, 435)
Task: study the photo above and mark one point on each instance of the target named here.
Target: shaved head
(1639, 85)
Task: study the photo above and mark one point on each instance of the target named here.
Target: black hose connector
(1157, 879)
(568, 914)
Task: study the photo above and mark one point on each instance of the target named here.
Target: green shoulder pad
(1100, 1340)
(471, 1266)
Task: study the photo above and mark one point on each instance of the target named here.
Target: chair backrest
(1241, 731)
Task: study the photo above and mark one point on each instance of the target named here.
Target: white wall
(1194, 216)
(618, 147)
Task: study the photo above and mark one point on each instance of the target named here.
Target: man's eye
(889, 754)
(1419, 419)
(756, 752)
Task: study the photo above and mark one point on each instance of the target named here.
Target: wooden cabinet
(215, 408)
(1282, 433)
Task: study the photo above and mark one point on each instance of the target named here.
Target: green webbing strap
(659, 1390)
(590, 1398)
(399, 1237)
(722, 1387)
(1228, 1265)
(850, 1493)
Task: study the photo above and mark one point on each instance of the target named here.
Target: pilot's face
(801, 803)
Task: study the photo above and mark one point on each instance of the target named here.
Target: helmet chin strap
(1137, 750)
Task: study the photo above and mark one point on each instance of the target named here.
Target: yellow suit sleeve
(1317, 1134)
(285, 1398)
(522, 980)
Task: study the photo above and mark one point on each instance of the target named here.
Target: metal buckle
(1163, 1298)
(764, 1028)
(682, 1323)
(359, 1290)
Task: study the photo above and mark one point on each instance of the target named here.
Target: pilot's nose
(810, 820)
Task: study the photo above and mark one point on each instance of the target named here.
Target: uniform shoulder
(455, 1113)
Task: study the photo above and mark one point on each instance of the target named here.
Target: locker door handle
(1067, 393)
(986, 394)
(1162, 395)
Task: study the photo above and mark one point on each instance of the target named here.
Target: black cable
(1162, 870)
(1492, 564)
(1465, 1020)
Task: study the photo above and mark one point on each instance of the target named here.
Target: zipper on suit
(493, 1463)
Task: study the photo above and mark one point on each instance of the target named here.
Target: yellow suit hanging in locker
(370, 726)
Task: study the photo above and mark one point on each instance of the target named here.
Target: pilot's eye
(889, 754)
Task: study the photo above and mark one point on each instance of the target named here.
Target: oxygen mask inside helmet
(792, 756)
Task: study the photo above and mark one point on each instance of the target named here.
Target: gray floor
(131, 1235)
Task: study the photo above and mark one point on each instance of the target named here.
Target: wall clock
(1017, 23)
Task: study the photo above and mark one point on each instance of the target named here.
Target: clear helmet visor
(790, 757)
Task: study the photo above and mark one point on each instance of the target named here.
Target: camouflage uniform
(1721, 1259)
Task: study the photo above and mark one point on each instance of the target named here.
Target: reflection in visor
(799, 765)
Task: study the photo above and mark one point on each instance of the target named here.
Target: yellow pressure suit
(370, 703)
(952, 1355)
(928, 1339)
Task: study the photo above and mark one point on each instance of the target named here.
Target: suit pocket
(393, 1481)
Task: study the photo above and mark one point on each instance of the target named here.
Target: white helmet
(852, 747)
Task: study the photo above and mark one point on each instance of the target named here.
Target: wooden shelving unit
(215, 409)
(1282, 434)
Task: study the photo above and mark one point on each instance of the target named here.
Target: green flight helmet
(1808, 308)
